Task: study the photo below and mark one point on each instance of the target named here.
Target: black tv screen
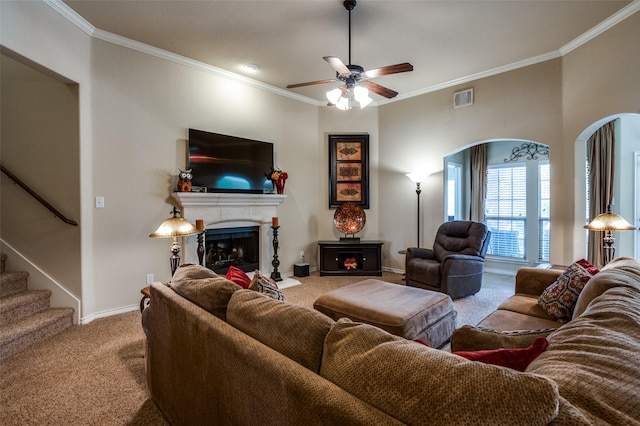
(229, 164)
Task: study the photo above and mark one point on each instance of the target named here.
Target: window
(544, 197)
(516, 192)
(454, 191)
(506, 209)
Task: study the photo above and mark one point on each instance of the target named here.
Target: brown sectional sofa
(270, 362)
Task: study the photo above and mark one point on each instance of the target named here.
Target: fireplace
(221, 211)
(237, 246)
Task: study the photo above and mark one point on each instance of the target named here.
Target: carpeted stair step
(13, 282)
(21, 334)
(17, 306)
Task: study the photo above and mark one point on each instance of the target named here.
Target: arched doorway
(517, 200)
(626, 198)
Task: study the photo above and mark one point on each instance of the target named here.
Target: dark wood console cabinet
(367, 255)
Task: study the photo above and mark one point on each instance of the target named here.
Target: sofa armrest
(534, 281)
(462, 264)
(420, 253)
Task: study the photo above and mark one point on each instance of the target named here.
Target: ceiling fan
(355, 78)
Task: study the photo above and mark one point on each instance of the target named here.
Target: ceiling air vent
(463, 98)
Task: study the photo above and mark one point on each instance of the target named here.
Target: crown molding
(99, 34)
(603, 26)
(200, 66)
(89, 29)
(477, 76)
(71, 15)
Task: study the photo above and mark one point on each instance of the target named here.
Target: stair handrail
(35, 195)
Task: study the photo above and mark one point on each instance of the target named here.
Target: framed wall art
(349, 170)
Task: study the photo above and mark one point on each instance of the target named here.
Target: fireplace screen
(239, 247)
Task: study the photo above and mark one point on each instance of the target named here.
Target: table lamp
(608, 222)
(174, 227)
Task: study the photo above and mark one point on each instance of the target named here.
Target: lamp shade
(609, 222)
(417, 177)
(174, 227)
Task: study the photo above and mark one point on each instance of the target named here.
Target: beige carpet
(94, 374)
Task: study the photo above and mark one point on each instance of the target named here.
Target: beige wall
(135, 109)
(40, 145)
(142, 109)
(600, 80)
(416, 134)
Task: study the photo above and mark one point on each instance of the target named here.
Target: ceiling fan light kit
(355, 78)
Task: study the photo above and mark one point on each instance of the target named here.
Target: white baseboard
(109, 312)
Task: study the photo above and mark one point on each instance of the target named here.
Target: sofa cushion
(594, 358)
(263, 284)
(238, 276)
(294, 331)
(204, 287)
(514, 358)
(559, 299)
(525, 304)
(502, 319)
(468, 338)
(420, 385)
(624, 273)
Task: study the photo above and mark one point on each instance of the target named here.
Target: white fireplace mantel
(221, 210)
(214, 199)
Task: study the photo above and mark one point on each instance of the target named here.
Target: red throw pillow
(238, 276)
(516, 359)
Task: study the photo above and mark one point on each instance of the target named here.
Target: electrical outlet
(99, 202)
(150, 278)
(302, 254)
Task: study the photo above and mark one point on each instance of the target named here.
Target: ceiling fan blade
(380, 90)
(337, 64)
(390, 69)
(310, 83)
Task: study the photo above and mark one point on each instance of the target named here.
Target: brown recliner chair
(455, 264)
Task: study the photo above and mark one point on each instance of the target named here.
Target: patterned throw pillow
(265, 285)
(238, 276)
(559, 299)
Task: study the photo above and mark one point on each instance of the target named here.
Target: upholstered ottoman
(409, 312)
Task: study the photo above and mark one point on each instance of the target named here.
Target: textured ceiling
(446, 41)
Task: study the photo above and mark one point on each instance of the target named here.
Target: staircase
(25, 315)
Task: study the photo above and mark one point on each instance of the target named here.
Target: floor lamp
(608, 222)
(174, 227)
(418, 178)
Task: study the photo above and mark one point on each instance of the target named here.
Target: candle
(274, 221)
(200, 224)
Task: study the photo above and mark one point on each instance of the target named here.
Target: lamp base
(175, 256)
(350, 239)
(608, 249)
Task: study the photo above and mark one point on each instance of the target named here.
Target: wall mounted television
(229, 164)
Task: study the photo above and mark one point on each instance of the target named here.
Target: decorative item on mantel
(275, 275)
(349, 219)
(184, 181)
(200, 228)
(278, 177)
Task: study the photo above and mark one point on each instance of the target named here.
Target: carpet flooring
(94, 374)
